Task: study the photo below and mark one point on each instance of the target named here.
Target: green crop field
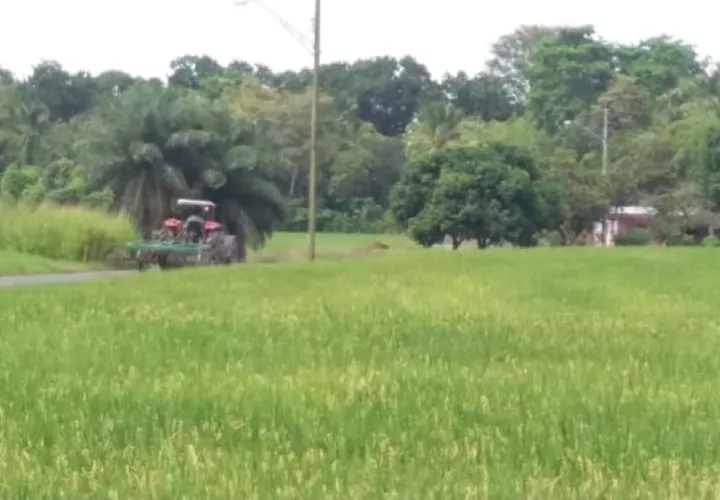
(505, 374)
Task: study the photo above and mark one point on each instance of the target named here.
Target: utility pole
(312, 183)
(605, 142)
(604, 139)
(605, 170)
(312, 177)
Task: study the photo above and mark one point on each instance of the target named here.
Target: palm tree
(23, 122)
(249, 204)
(151, 145)
(437, 125)
(123, 150)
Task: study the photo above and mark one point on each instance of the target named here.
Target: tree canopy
(497, 157)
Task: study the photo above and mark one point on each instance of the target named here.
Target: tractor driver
(194, 225)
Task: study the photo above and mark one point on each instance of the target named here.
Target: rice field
(505, 374)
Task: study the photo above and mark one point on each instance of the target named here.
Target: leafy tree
(282, 128)
(513, 56)
(355, 162)
(659, 64)
(383, 91)
(486, 95)
(64, 95)
(189, 71)
(568, 72)
(491, 194)
(114, 82)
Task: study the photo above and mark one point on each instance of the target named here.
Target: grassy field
(12, 262)
(549, 373)
(330, 244)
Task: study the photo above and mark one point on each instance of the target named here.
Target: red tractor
(190, 236)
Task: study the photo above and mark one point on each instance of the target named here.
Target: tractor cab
(185, 208)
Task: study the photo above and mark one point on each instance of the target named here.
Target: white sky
(143, 36)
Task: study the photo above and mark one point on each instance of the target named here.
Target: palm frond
(195, 140)
(241, 158)
(214, 179)
(146, 154)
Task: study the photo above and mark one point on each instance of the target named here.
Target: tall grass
(549, 373)
(71, 234)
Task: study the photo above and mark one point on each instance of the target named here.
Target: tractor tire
(162, 262)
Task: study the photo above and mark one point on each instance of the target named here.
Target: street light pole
(312, 184)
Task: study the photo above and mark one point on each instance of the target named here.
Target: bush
(711, 241)
(63, 233)
(362, 216)
(554, 239)
(680, 240)
(633, 237)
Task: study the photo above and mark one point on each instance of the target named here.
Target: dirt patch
(378, 245)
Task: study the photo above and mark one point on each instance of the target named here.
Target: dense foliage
(239, 134)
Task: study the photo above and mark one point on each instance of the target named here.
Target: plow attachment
(167, 246)
(174, 253)
(168, 254)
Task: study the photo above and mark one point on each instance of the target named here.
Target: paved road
(43, 279)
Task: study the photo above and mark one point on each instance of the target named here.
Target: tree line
(499, 157)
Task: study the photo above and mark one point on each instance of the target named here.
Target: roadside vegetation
(71, 234)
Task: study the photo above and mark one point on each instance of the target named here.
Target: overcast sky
(142, 36)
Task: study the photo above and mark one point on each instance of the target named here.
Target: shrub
(64, 233)
(361, 216)
(554, 239)
(633, 237)
(680, 240)
(711, 241)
